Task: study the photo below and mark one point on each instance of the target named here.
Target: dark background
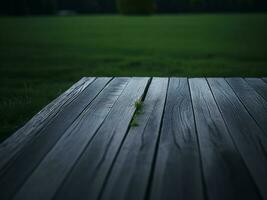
(32, 7)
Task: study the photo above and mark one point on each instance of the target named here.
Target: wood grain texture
(91, 170)
(254, 103)
(225, 173)
(259, 85)
(11, 146)
(195, 139)
(134, 162)
(248, 137)
(35, 151)
(177, 173)
(48, 176)
(264, 79)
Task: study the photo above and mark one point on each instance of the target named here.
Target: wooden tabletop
(143, 138)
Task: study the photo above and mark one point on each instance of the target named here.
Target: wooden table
(190, 139)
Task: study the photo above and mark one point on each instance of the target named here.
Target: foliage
(134, 122)
(138, 107)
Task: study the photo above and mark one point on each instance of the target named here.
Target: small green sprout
(138, 106)
(134, 122)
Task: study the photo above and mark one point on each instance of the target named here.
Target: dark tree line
(28, 7)
(24, 7)
(136, 6)
(211, 5)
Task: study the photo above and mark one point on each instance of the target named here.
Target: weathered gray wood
(48, 176)
(225, 173)
(81, 146)
(132, 168)
(177, 173)
(254, 103)
(35, 151)
(11, 146)
(264, 79)
(248, 137)
(90, 172)
(259, 85)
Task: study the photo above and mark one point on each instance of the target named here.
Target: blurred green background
(43, 56)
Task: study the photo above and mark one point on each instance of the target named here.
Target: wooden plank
(254, 103)
(259, 85)
(264, 79)
(48, 176)
(11, 146)
(248, 137)
(177, 173)
(90, 172)
(132, 168)
(33, 153)
(225, 173)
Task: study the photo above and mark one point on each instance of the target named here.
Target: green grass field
(42, 56)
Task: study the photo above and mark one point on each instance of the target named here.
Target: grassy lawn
(42, 56)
